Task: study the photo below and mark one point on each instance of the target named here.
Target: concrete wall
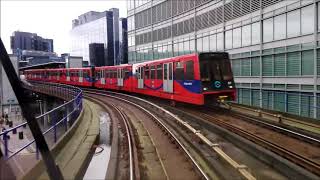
(7, 95)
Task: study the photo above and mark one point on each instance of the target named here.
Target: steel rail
(303, 136)
(294, 157)
(129, 135)
(276, 115)
(241, 168)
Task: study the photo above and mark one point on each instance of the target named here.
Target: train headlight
(230, 86)
(205, 88)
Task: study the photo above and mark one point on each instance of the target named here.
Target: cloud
(49, 19)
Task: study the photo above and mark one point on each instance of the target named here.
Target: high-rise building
(123, 42)
(30, 41)
(96, 27)
(96, 54)
(273, 44)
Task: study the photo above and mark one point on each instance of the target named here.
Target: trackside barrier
(59, 119)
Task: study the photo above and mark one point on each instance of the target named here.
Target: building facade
(97, 27)
(123, 41)
(273, 44)
(8, 101)
(29, 41)
(96, 54)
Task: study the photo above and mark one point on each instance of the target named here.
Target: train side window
(126, 74)
(114, 73)
(170, 71)
(179, 71)
(106, 73)
(189, 75)
(146, 72)
(159, 71)
(152, 72)
(165, 71)
(85, 74)
(80, 73)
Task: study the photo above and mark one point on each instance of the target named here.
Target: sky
(49, 19)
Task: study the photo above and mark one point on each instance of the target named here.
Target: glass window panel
(307, 20)
(186, 47)
(165, 51)
(199, 44)
(181, 50)
(236, 37)
(268, 30)
(189, 75)
(307, 62)
(293, 23)
(206, 44)
(160, 52)
(255, 66)
(220, 41)
(255, 33)
(229, 39)
(176, 49)
(192, 46)
(280, 27)
(267, 65)
(170, 53)
(213, 42)
(318, 20)
(293, 64)
(236, 67)
(246, 35)
(280, 65)
(179, 71)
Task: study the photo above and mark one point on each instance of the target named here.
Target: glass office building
(273, 44)
(98, 27)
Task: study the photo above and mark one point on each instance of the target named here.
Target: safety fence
(297, 103)
(54, 123)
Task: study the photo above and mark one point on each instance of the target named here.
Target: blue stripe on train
(153, 88)
(193, 86)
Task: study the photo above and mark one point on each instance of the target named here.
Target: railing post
(65, 121)
(54, 127)
(6, 148)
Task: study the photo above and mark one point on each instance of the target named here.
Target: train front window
(214, 68)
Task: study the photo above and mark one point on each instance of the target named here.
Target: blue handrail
(75, 102)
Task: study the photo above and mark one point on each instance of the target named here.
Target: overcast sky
(49, 19)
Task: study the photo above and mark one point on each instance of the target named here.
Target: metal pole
(52, 169)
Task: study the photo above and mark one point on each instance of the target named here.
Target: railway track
(294, 146)
(112, 101)
(212, 147)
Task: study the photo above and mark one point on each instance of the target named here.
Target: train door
(140, 77)
(168, 77)
(103, 77)
(80, 76)
(120, 77)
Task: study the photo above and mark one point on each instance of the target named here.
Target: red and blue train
(198, 78)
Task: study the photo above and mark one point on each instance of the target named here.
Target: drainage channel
(98, 166)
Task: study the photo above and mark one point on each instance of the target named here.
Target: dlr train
(200, 78)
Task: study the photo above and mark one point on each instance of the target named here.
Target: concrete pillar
(46, 118)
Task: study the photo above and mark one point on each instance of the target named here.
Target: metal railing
(60, 118)
(304, 105)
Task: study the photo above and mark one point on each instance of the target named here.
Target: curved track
(118, 104)
(300, 149)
